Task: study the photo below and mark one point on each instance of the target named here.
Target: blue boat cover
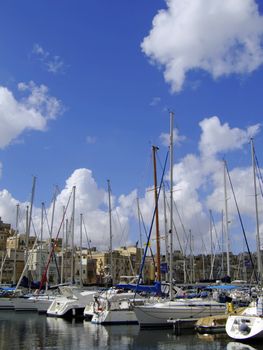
(224, 287)
(152, 289)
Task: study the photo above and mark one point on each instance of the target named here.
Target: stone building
(84, 258)
(5, 233)
(125, 262)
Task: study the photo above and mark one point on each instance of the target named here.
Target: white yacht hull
(113, 307)
(24, 304)
(43, 305)
(63, 307)
(115, 317)
(244, 327)
(35, 303)
(158, 314)
(70, 307)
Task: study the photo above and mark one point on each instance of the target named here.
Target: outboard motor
(243, 328)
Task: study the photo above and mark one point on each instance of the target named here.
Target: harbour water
(25, 330)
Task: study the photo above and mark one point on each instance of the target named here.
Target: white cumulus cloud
(198, 187)
(217, 137)
(90, 200)
(221, 37)
(32, 112)
(199, 181)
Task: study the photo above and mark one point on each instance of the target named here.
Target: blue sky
(86, 86)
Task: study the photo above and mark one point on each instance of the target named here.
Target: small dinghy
(216, 323)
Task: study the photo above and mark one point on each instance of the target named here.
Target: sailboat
(115, 308)
(39, 302)
(249, 325)
(157, 314)
(71, 303)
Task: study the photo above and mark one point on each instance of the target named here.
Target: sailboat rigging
(44, 275)
(150, 231)
(158, 277)
(240, 220)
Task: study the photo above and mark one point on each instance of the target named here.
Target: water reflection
(212, 337)
(241, 346)
(25, 331)
(65, 334)
(112, 337)
(21, 331)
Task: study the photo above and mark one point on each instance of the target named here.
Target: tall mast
(26, 240)
(72, 236)
(191, 257)
(140, 231)
(29, 218)
(203, 261)
(211, 242)
(165, 230)
(41, 241)
(51, 231)
(16, 241)
(31, 204)
(259, 261)
(66, 247)
(154, 149)
(222, 244)
(226, 223)
(171, 203)
(53, 213)
(110, 224)
(62, 250)
(81, 277)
